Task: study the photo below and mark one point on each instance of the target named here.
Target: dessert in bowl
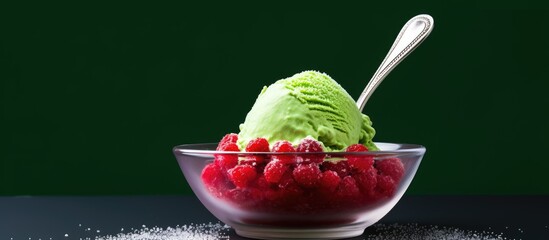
(304, 165)
(314, 195)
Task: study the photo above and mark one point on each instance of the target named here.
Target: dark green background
(94, 98)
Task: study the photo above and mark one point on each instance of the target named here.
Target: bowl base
(293, 233)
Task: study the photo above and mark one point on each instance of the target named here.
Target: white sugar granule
(427, 232)
(209, 231)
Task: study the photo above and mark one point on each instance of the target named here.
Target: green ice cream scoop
(308, 104)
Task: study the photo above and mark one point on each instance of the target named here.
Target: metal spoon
(411, 35)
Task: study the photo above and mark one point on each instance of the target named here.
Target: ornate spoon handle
(411, 35)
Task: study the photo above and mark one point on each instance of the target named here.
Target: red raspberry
(242, 175)
(214, 179)
(310, 145)
(347, 190)
(329, 181)
(258, 145)
(357, 162)
(356, 148)
(229, 147)
(283, 146)
(274, 171)
(227, 161)
(229, 138)
(386, 186)
(361, 163)
(340, 167)
(212, 175)
(288, 190)
(391, 167)
(307, 175)
(366, 181)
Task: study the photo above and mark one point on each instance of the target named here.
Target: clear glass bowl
(270, 211)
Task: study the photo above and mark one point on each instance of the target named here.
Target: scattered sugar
(212, 231)
(209, 231)
(415, 231)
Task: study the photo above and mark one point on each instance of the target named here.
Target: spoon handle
(411, 35)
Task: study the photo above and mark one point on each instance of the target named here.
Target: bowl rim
(403, 148)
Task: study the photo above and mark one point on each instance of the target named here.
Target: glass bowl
(349, 192)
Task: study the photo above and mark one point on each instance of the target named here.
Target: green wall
(92, 99)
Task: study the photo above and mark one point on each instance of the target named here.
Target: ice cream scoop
(308, 104)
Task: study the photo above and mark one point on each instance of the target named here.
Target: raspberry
(366, 181)
(229, 138)
(307, 175)
(227, 161)
(254, 161)
(310, 145)
(347, 189)
(340, 167)
(358, 162)
(274, 171)
(285, 147)
(356, 148)
(212, 175)
(229, 147)
(288, 190)
(329, 181)
(258, 145)
(390, 172)
(214, 179)
(391, 167)
(386, 186)
(242, 175)
(361, 163)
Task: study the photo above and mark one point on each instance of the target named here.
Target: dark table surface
(86, 217)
